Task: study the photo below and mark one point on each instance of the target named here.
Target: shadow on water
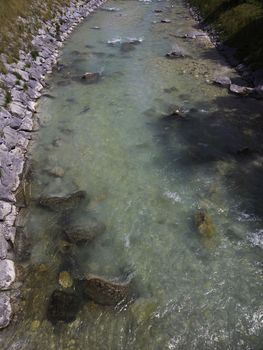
(231, 134)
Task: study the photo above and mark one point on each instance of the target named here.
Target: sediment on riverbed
(21, 83)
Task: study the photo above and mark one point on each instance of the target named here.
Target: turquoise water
(147, 175)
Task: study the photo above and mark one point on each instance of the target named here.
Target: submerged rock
(204, 224)
(110, 9)
(143, 309)
(84, 233)
(240, 90)
(222, 81)
(22, 245)
(165, 20)
(177, 52)
(57, 171)
(126, 47)
(63, 306)
(246, 151)
(65, 279)
(91, 78)
(105, 292)
(62, 202)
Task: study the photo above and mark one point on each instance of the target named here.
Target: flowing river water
(147, 174)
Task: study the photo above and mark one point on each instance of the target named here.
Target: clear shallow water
(147, 176)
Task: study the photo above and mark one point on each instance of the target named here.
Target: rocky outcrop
(20, 89)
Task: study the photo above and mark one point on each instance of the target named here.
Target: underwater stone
(240, 90)
(63, 306)
(79, 233)
(205, 224)
(62, 202)
(5, 310)
(91, 78)
(105, 292)
(166, 20)
(126, 47)
(22, 245)
(65, 279)
(222, 81)
(57, 171)
(177, 52)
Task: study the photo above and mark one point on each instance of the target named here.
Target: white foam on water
(256, 238)
(174, 196)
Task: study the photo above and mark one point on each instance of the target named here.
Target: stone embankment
(20, 88)
(253, 78)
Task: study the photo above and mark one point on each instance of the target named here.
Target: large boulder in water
(84, 232)
(105, 292)
(63, 306)
(62, 202)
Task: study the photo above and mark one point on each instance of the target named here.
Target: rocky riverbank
(20, 88)
(253, 77)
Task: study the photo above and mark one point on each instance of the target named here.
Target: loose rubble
(20, 89)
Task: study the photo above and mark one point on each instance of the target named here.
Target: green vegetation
(239, 24)
(8, 98)
(34, 54)
(18, 21)
(17, 75)
(3, 68)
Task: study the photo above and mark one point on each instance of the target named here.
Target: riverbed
(153, 143)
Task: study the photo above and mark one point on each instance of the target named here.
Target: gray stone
(91, 77)
(5, 209)
(5, 310)
(222, 81)
(166, 20)
(240, 90)
(3, 247)
(177, 52)
(24, 74)
(17, 108)
(8, 232)
(57, 171)
(7, 273)
(27, 123)
(12, 138)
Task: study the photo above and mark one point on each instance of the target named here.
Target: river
(153, 143)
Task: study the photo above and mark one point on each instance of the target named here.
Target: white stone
(17, 108)
(5, 209)
(5, 310)
(7, 273)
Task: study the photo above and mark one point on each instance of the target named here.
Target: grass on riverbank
(240, 25)
(18, 21)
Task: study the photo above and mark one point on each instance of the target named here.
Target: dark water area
(165, 169)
